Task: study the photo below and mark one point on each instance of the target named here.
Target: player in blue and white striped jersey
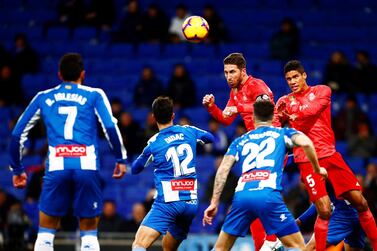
(172, 155)
(260, 154)
(70, 112)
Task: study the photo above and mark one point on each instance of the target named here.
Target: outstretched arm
(310, 213)
(109, 126)
(20, 135)
(142, 161)
(319, 104)
(303, 141)
(220, 180)
(216, 112)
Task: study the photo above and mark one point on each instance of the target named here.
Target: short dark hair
(264, 110)
(236, 59)
(70, 66)
(162, 108)
(294, 65)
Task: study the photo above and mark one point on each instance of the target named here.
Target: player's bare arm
(220, 180)
(221, 176)
(303, 141)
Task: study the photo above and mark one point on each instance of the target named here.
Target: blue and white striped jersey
(172, 155)
(70, 113)
(260, 155)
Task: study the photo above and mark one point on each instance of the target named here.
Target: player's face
(296, 81)
(233, 75)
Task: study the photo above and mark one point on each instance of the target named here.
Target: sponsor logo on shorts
(255, 175)
(192, 202)
(183, 184)
(283, 217)
(70, 150)
(314, 191)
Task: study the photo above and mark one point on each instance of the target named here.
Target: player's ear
(304, 75)
(60, 76)
(82, 76)
(173, 116)
(243, 71)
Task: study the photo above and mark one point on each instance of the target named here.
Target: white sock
(89, 243)
(138, 249)
(44, 242)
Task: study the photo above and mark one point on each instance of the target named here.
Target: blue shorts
(267, 205)
(344, 227)
(175, 217)
(79, 189)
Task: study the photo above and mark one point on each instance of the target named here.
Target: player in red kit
(308, 109)
(245, 90)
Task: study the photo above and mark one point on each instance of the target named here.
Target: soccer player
(308, 109)
(70, 112)
(171, 153)
(245, 90)
(344, 225)
(260, 154)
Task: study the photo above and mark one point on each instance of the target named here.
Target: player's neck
(243, 81)
(163, 126)
(303, 90)
(262, 123)
(78, 82)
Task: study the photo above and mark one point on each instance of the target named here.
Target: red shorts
(340, 176)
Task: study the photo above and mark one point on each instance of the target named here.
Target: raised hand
(208, 100)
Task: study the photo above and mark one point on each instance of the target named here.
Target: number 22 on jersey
(173, 154)
(256, 154)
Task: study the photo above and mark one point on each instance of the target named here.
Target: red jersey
(243, 98)
(312, 109)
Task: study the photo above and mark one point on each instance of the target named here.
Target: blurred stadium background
(115, 63)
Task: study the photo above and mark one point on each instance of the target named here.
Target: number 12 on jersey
(173, 154)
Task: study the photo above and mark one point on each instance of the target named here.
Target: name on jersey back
(61, 96)
(260, 136)
(174, 137)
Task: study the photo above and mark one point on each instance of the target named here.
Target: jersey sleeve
(258, 91)
(202, 136)
(20, 134)
(217, 113)
(310, 213)
(109, 126)
(144, 159)
(321, 102)
(288, 133)
(233, 149)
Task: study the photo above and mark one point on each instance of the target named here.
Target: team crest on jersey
(70, 151)
(183, 185)
(255, 175)
(292, 100)
(311, 96)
